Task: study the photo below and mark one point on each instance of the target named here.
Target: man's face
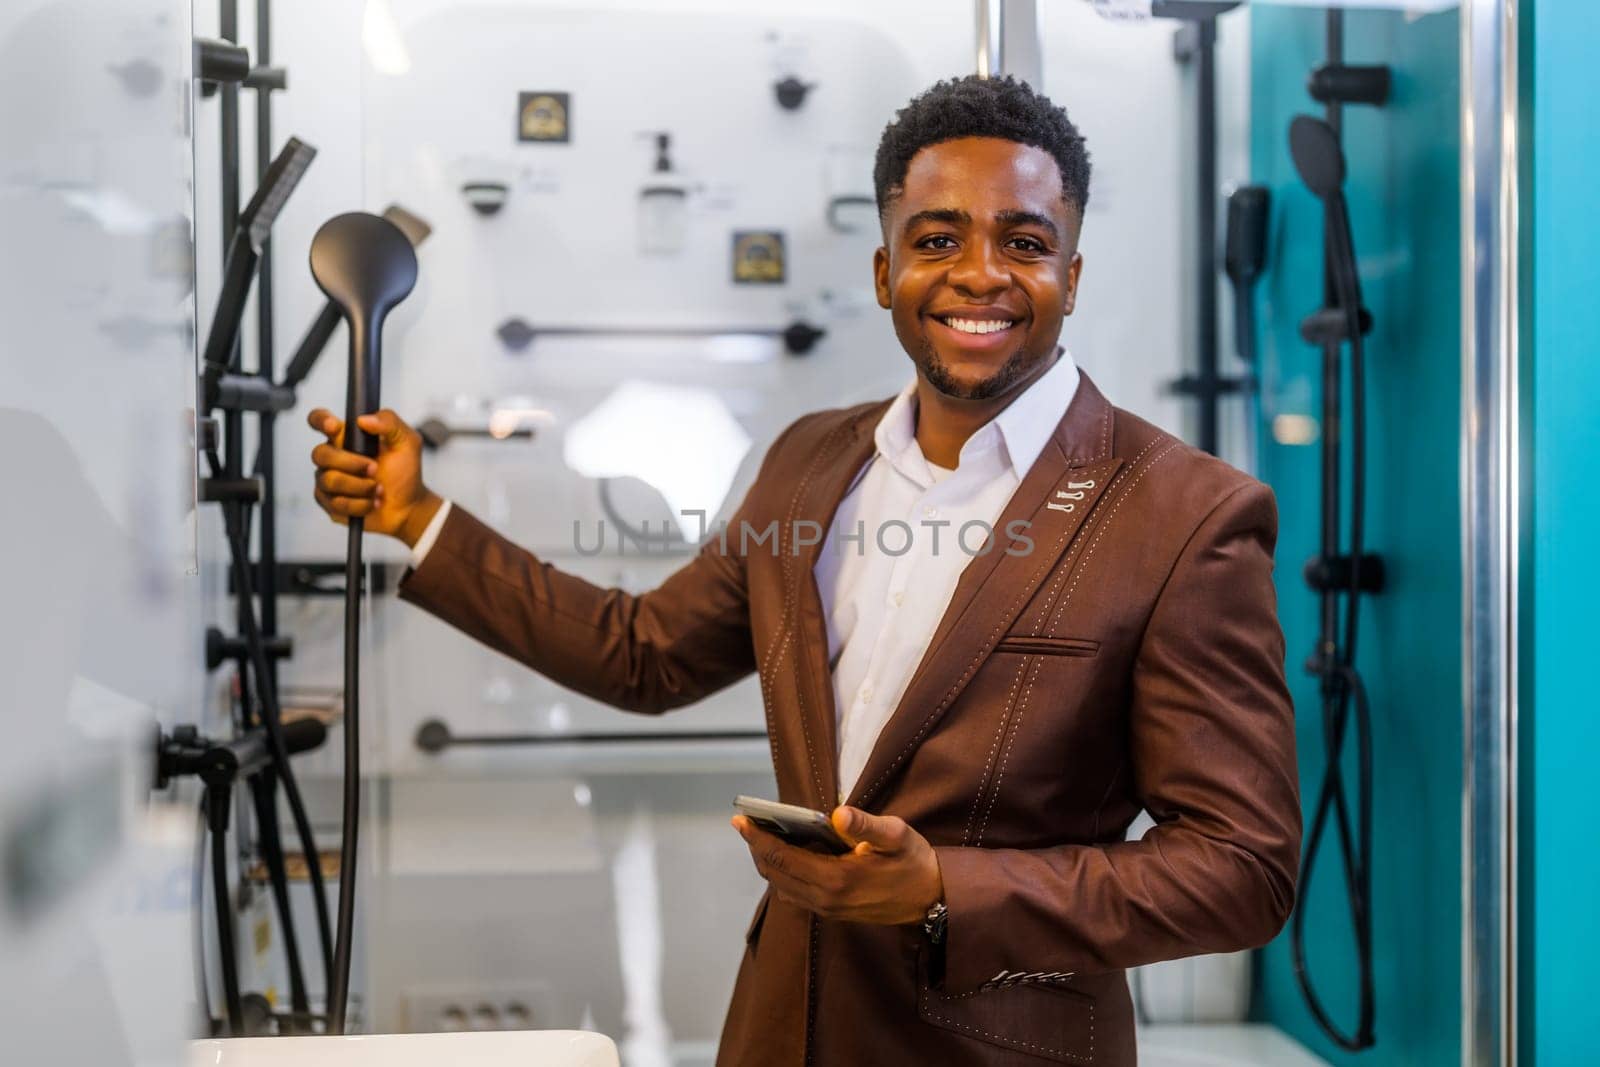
(979, 264)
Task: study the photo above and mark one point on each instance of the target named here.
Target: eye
(929, 242)
(1028, 244)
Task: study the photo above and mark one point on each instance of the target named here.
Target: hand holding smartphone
(796, 825)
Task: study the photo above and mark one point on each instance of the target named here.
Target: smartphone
(796, 825)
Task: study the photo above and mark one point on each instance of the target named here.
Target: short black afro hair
(981, 107)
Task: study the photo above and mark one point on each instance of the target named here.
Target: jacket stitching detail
(1016, 725)
(944, 701)
(786, 626)
(1069, 565)
(1105, 439)
(1013, 1041)
(1016, 728)
(1007, 979)
(1066, 598)
(983, 783)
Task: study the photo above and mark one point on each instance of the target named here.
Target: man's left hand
(890, 876)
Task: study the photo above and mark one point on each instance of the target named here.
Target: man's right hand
(386, 493)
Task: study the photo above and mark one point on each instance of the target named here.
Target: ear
(1074, 268)
(880, 275)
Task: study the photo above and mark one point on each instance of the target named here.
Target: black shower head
(366, 266)
(317, 337)
(244, 254)
(1317, 155)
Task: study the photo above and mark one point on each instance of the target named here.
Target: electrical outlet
(440, 1009)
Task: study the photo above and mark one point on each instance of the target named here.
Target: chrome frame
(1008, 40)
(1491, 533)
(991, 38)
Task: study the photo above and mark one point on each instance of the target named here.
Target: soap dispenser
(663, 204)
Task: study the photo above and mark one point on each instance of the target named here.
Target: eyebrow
(958, 217)
(948, 215)
(1029, 218)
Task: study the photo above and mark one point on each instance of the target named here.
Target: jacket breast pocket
(1047, 646)
(1044, 1020)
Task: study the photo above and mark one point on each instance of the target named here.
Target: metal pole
(233, 462)
(267, 583)
(1332, 428)
(233, 422)
(1020, 49)
(1206, 223)
(1491, 534)
(991, 41)
(266, 466)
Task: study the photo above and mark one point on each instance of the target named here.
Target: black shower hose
(1343, 689)
(339, 993)
(271, 718)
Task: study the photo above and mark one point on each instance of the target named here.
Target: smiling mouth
(976, 327)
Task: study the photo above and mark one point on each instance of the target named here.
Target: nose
(979, 271)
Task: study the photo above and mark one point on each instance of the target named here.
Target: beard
(938, 374)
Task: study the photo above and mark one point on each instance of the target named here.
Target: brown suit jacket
(1131, 658)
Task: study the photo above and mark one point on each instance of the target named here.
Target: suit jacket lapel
(1065, 483)
(817, 502)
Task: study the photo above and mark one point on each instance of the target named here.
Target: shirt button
(896, 599)
(866, 694)
(929, 512)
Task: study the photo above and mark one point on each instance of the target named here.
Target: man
(993, 711)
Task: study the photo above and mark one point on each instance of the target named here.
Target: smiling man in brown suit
(984, 726)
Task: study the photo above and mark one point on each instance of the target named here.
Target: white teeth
(979, 325)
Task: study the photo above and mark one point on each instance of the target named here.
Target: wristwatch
(935, 923)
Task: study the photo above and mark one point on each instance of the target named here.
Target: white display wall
(99, 584)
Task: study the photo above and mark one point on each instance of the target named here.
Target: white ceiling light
(681, 440)
(381, 37)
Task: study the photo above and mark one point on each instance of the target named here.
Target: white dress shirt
(898, 545)
(885, 591)
(430, 534)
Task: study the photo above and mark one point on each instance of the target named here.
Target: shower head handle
(365, 266)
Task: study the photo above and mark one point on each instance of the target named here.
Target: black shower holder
(1332, 574)
(1331, 326)
(221, 648)
(1341, 83)
(320, 578)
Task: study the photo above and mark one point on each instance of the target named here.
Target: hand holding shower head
(366, 266)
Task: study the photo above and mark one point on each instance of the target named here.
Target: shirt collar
(1029, 420)
(1022, 427)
